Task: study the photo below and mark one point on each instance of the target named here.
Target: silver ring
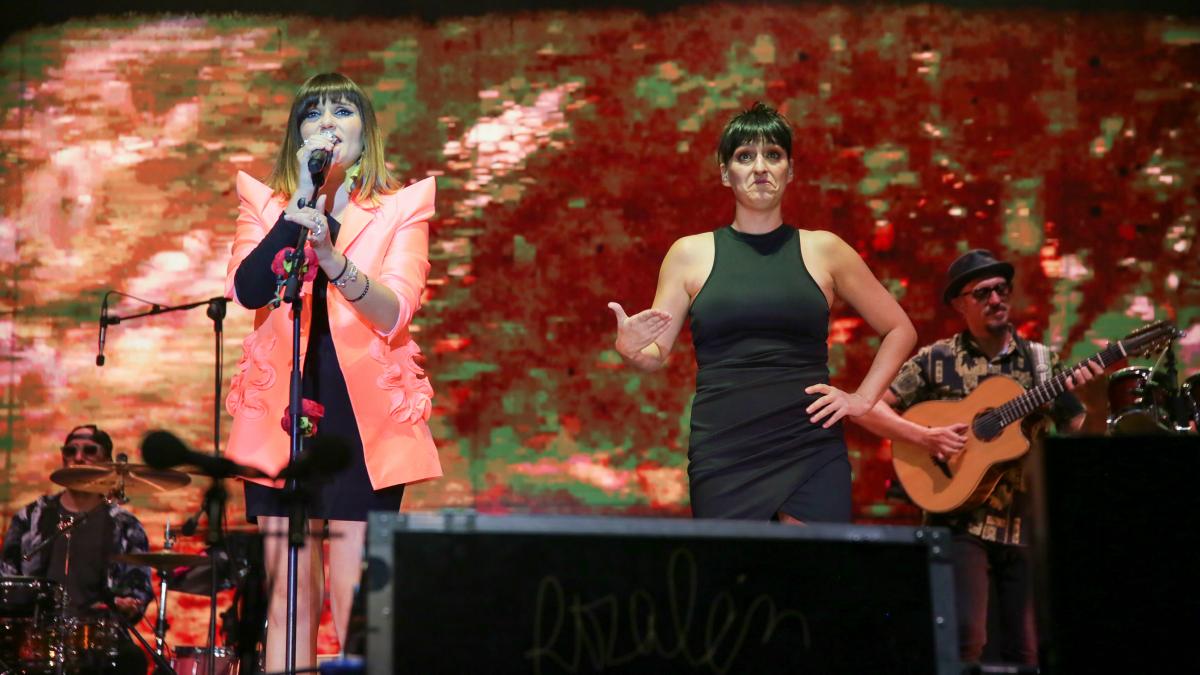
(317, 231)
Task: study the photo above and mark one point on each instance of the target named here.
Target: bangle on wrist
(342, 273)
(366, 288)
(348, 276)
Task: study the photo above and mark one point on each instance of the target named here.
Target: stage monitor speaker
(463, 593)
(1118, 561)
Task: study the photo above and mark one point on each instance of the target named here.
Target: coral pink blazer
(388, 390)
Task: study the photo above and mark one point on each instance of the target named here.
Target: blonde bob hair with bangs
(373, 178)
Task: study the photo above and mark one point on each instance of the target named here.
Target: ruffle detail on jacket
(411, 394)
(245, 391)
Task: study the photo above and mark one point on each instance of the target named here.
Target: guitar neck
(1042, 394)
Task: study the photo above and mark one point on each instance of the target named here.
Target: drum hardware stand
(160, 623)
(215, 497)
(161, 667)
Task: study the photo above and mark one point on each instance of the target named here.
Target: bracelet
(342, 273)
(365, 289)
(348, 275)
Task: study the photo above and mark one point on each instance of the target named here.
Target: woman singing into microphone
(369, 242)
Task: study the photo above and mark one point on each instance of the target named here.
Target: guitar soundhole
(986, 426)
(944, 466)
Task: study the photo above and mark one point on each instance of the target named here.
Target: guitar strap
(1038, 356)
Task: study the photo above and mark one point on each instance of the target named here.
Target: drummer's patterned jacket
(38, 520)
(952, 368)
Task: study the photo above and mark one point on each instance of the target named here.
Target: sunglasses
(90, 450)
(981, 294)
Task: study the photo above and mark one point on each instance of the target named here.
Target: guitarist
(988, 552)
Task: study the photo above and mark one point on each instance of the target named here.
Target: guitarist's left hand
(834, 404)
(1084, 374)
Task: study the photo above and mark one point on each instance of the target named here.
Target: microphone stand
(297, 518)
(215, 498)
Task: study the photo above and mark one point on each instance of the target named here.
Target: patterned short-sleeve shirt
(951, 369)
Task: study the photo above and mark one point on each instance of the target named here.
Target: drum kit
(39, 631)
(1147, 401)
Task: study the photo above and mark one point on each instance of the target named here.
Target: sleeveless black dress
(760, 326)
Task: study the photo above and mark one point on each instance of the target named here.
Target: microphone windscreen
(163, 450)
(318, 161)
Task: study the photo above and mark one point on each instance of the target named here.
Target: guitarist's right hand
(945, 442)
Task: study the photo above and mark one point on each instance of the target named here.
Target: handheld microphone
(319, 160)
(103, 329)
(163, 450)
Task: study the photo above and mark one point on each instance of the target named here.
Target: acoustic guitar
(990, 412)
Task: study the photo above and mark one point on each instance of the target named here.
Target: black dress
(760, 326)
(345, 495)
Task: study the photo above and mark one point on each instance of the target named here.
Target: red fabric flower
(281, 265)
(311, 413)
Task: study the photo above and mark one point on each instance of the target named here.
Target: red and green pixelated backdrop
(571, 149)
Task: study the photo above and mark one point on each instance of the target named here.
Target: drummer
(79, 560)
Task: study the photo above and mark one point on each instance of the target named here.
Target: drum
(194, 660)
(1191, 398)
(1139, 403)
(29, 611)
(90, 644)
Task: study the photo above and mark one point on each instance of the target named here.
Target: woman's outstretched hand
(834, 404)
(635, 333)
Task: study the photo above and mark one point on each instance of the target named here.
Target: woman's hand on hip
(834, 404)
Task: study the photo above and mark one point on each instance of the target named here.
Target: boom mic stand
(214, 499)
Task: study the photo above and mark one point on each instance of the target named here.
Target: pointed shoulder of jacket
(411, 199)
(422, 191)
(253, 190)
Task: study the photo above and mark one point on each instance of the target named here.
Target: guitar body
(975, 471)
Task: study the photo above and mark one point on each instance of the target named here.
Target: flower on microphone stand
(282, 267)
(311, 412)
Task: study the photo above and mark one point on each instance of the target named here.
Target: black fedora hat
(974, 264)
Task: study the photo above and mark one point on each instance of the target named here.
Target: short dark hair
(760, 122)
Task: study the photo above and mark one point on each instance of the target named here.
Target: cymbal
(134, 478)
(198, 580)
(161, 560)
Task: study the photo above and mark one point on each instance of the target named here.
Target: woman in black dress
(766, 439)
